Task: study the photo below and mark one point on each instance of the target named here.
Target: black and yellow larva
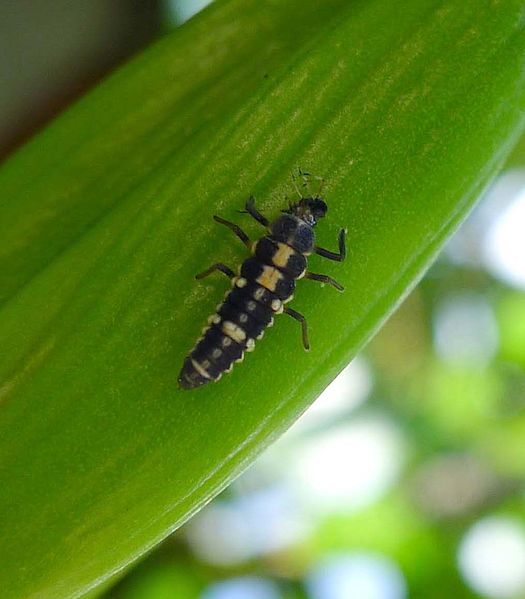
(266, 282)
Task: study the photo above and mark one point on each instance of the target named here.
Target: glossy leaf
(107, 215)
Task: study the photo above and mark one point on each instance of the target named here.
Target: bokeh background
(407, 477)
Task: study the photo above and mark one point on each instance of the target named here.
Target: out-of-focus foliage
(106, 215)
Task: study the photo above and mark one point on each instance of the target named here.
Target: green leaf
(406, 110)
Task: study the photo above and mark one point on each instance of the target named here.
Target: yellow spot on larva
(200, 369)
(282, 255)
(269, 278)
(232, 330)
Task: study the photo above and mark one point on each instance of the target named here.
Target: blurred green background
(406, 477)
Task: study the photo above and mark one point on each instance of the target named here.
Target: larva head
(309, 210)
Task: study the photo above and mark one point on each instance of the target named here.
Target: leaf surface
(407, 112)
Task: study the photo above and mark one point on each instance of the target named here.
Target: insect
(265, 284)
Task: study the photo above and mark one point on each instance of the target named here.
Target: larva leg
(254, 213)
(236, 229)
(324, 279)
(338, 257)
(219, 266)
(300, 318)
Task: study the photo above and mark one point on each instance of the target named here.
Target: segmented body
(266, 282)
